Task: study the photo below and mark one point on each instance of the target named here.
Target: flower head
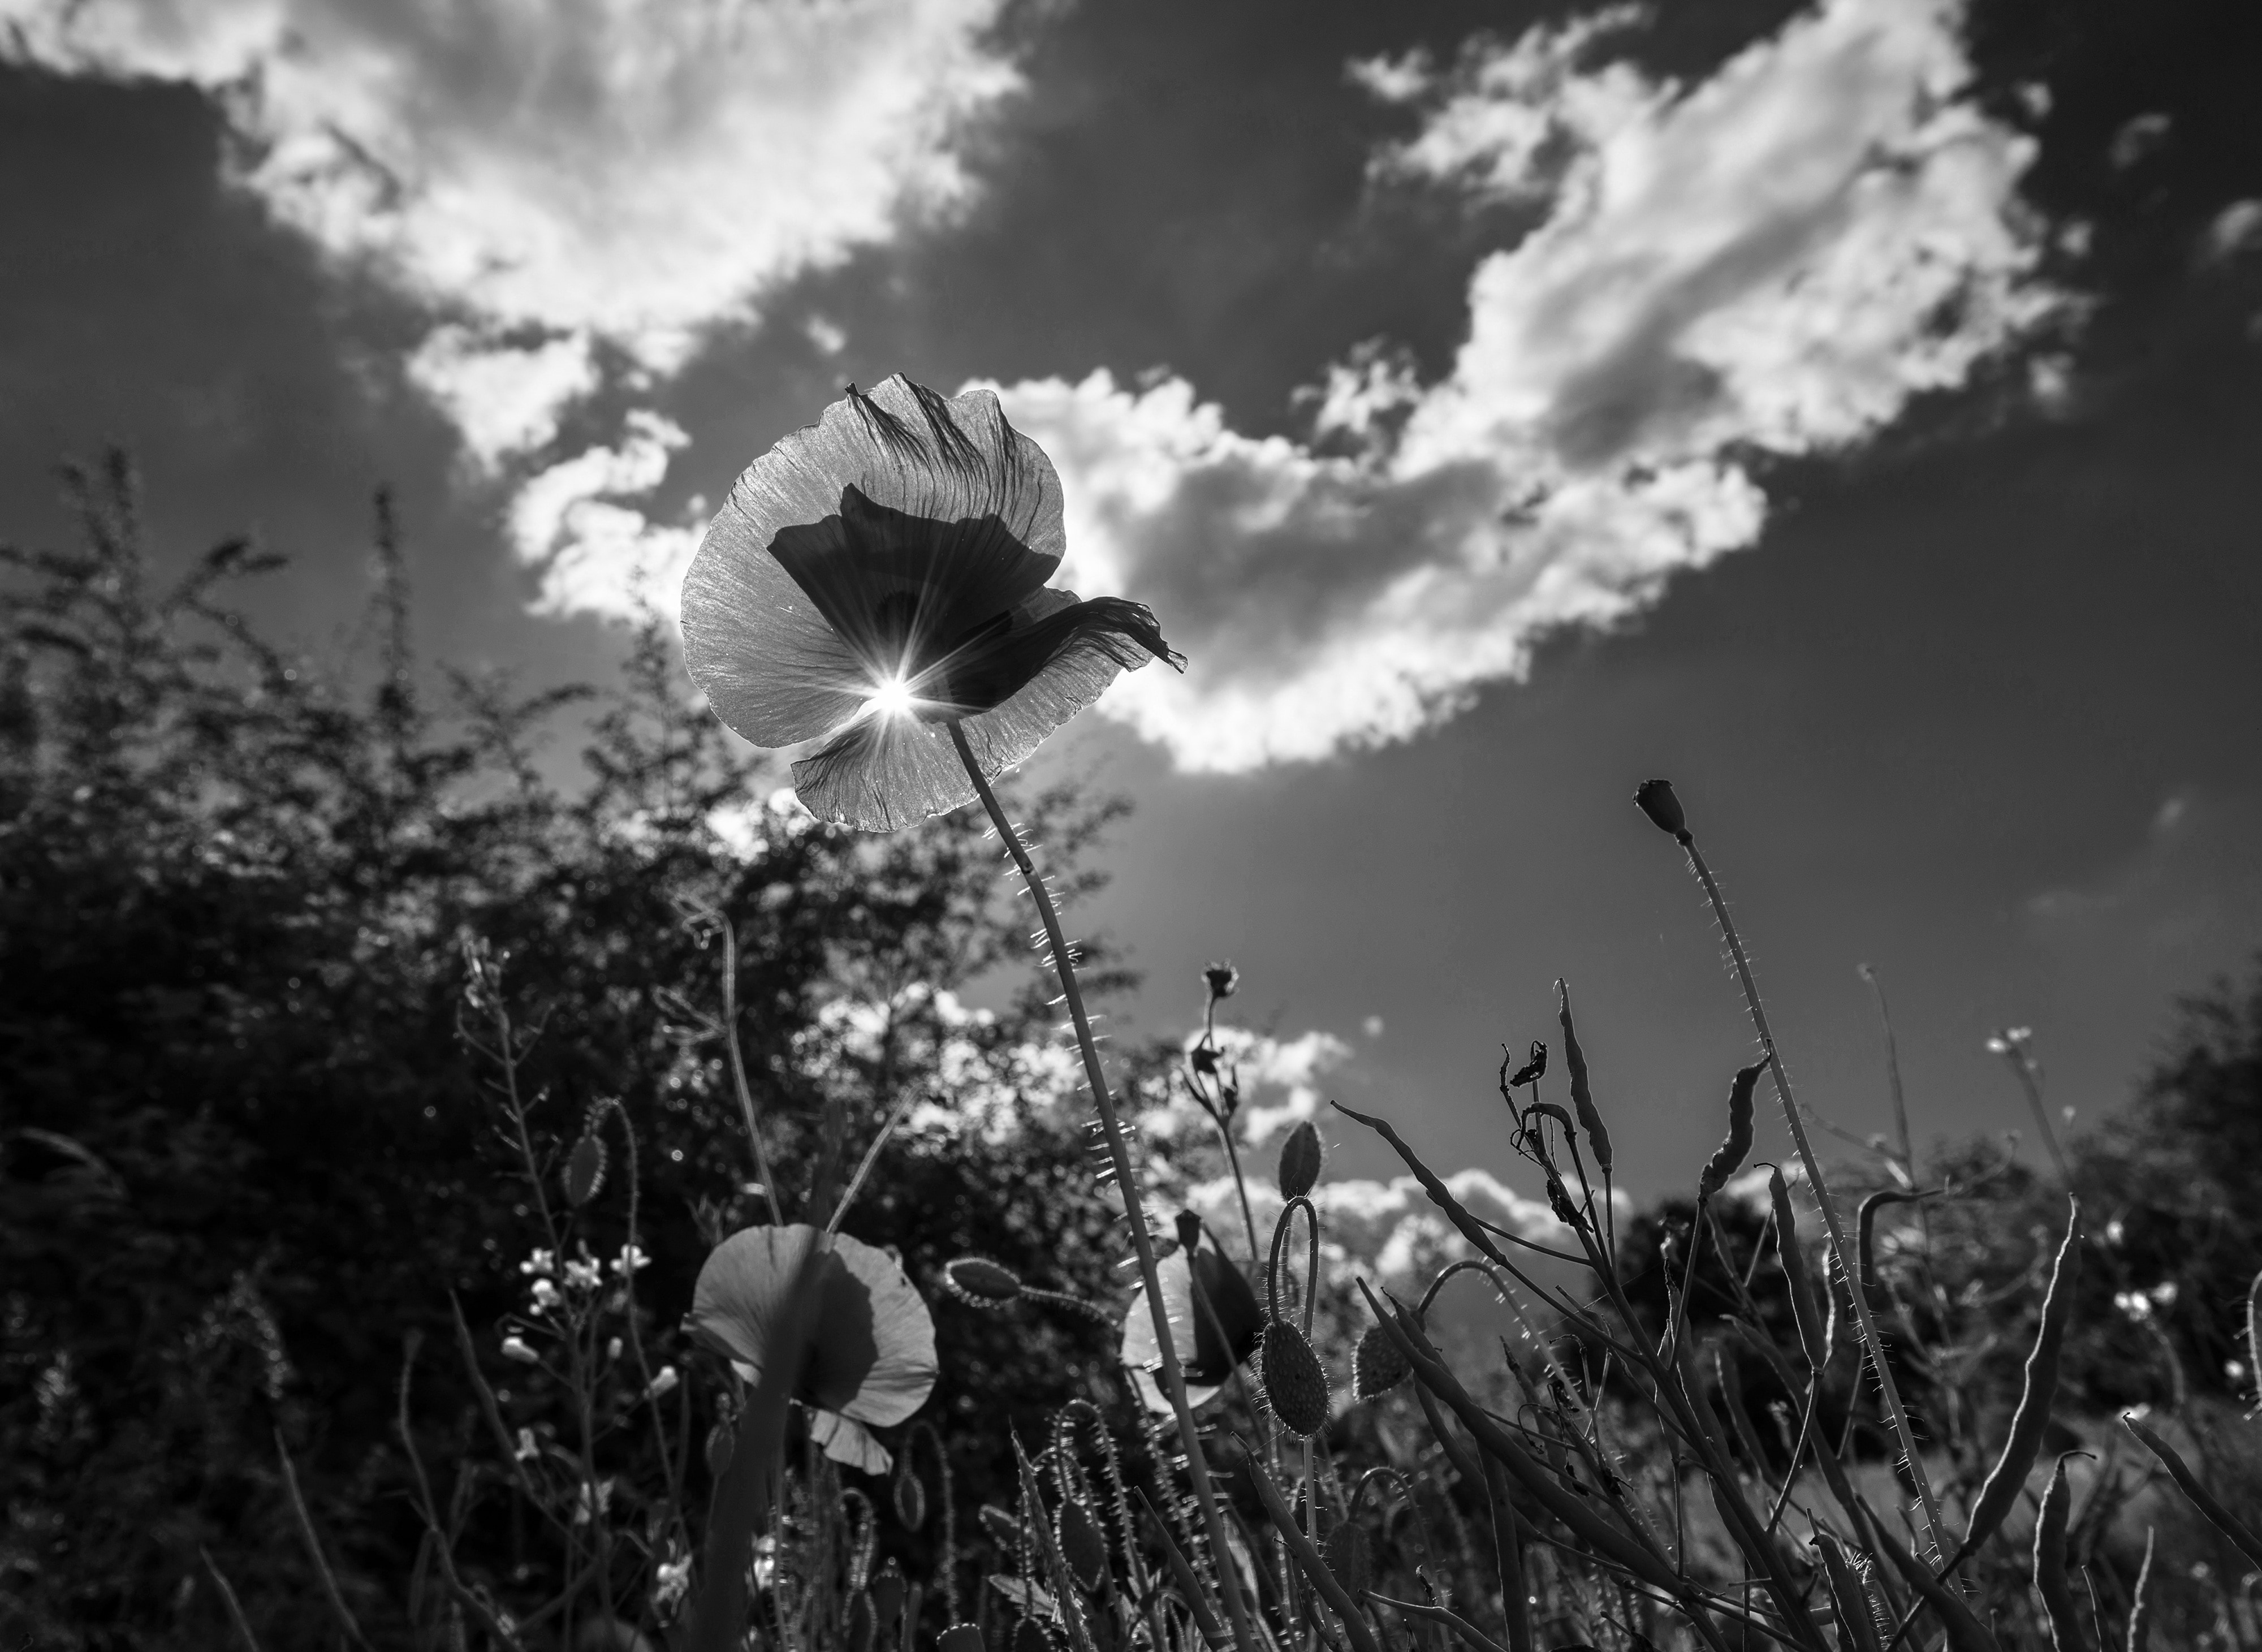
(881, 573)
(869, 1358)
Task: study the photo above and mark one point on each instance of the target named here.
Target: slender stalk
(1869, 972)
(1174, 1381)
(2014, 1051)
(1887, 1388)
(738, 1069)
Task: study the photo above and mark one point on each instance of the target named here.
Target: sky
(1850, 411)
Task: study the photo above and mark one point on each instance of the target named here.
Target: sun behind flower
(880, 575)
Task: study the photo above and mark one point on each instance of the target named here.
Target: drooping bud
(961, 1637)
(1301, 1157)
(1377, 1367)
(1655, 799)
(585, 1170)
(1223, 979)
(1084, 1547)
(1295, 1385)
(981, 1283)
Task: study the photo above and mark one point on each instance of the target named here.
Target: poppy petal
(871, 1356)
(934, 504)
(1056, 657)
(1143, 1355)
(850, 1444)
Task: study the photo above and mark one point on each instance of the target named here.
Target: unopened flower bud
(1224, 980)
(515, 1348)
(1655, 799)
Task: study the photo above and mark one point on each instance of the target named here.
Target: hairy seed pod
(1350, 1557)
(1583, 1094)
(1857, 1629)
(1084, 1547)
(1301, 1157)
(1377, 1367)
(2221, 1518)
(1728, 1157)
(961, 1637)
(979, 1282)
(889, 1589)
(1004, 1531)
(585, 1170)
(1030, 1636)
(2140, 1601)
(1813, 1335)
(2008, 1477)
(863, 1621)
(2049, 1565)
(1295, 1387)
(1655, 799)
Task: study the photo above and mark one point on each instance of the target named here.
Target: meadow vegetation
(379, 1095)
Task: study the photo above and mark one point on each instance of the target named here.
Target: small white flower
(540, 1262)
(630, 1260)
(673, 1579)
(527, 1451)
(2165, 1293)
(664, 1381)
(2136, 1305)
(613, 1349)
(546, 1295)
(585, 1505)
(583, 1276)
(515, 1348)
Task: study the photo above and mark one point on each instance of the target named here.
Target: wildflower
(515, 1348)
(527, 1451)
(672, 1579)
(664, 1382)
(870, 1360)
(541, 1263)
(881, 573)
(613, 1349)
(630, 1259)
(546, 1296)
(583, 1275)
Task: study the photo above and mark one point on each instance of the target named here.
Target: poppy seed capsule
(1295, 1387)
(1655, 799)
(1301, 1157)
(1377, 1367)
(979, 1282)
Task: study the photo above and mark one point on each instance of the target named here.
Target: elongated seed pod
(1866, 1226)
(1728, 1157)
(1583, 1094)
(1857, 1626)
(1813, 1335)
(2008, 1477)
(2224, 1521)
(2254, 1335)
(2049, 1565)
(2140, 1604)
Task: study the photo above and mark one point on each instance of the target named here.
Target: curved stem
(1174, 1381)
(1887, 1388)
(739, 1068)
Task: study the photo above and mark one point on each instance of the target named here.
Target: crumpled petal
(849, 1444)
(884, 774)
(871, 1356)
(900, 516)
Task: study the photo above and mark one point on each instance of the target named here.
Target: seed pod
(1295, 1387)
(1377, 1367)
(909, 1494)
(1583, 1094)
(1004, 1531)
(2140, 1604)
(1655, 799)
(585, 1170)
(960, 1637)
(2049, 1565)
(1857, 1622)
(1300, 1156)
(2008, 1477)
(862, 1621)
(2221, 1518)
(979, 1282)
(1083, 1546)
(889, 1589)
(1350, 1557)
(1029, 1636)
(1813, 1336)
(1728, 1157)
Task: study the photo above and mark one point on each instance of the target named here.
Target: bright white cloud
(597, 554)
(1775, 261)
(548, 178)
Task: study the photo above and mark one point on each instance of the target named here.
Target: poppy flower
(1224, 1336)
(880, 575)
(870, 1361)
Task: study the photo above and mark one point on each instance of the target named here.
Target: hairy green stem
(1126, 1183)
(1887, 1388)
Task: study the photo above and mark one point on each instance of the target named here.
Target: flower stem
(1174, 1382)
(1887, 1388)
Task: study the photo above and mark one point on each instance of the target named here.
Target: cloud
(596, 554)
(1775, 261)
(570, 189)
